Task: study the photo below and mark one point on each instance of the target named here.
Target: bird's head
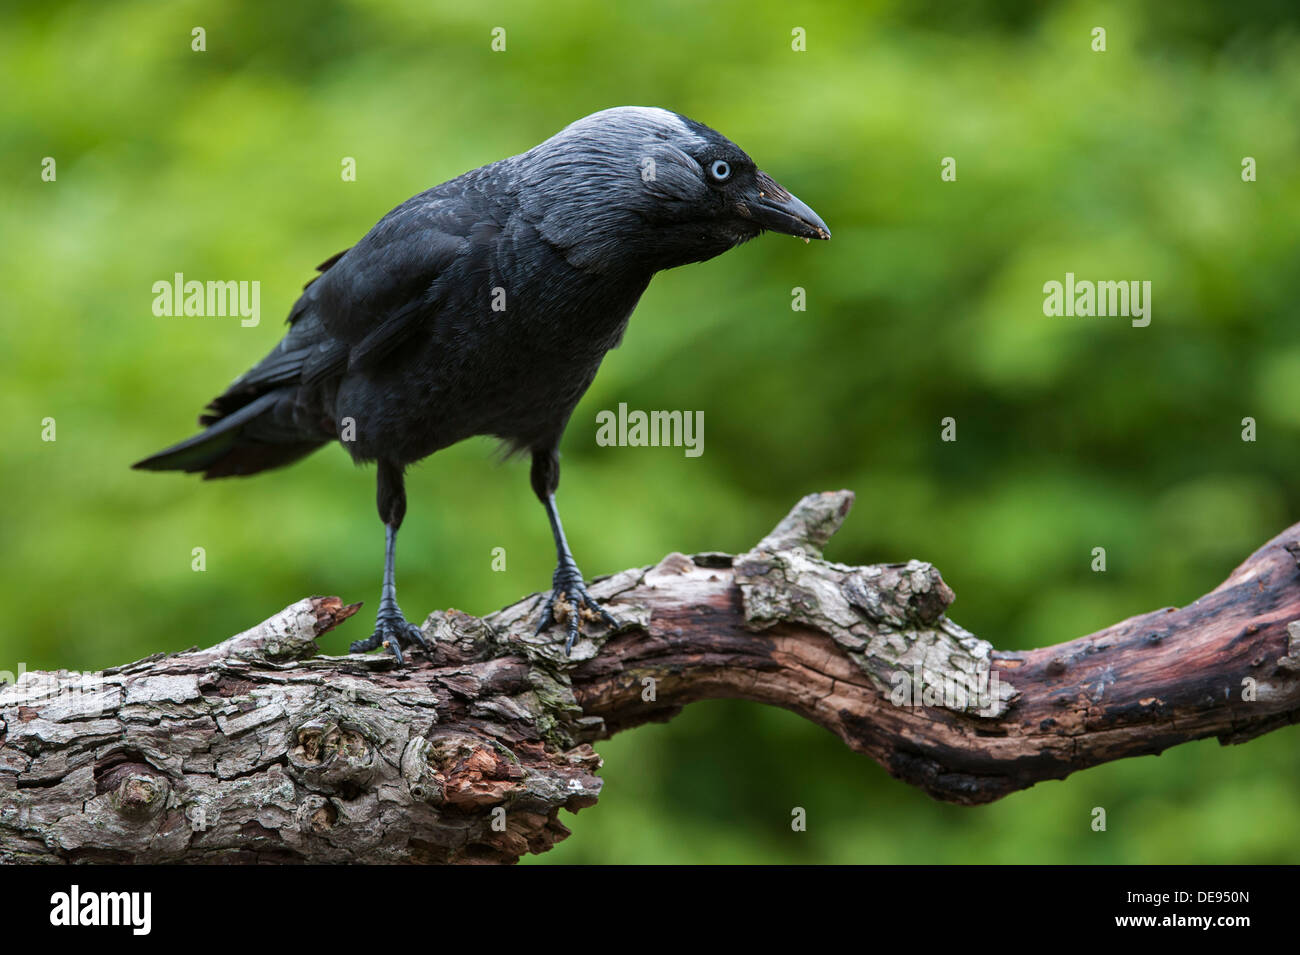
(644, 187)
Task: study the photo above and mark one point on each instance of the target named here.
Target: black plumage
(484, 306)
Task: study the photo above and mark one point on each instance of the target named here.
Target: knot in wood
(140, 795)
(332, 756)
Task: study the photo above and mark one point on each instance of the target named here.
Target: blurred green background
(1072, 433)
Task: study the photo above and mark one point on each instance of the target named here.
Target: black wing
(372, 297)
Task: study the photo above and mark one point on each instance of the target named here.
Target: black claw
(567, 588)
(366, 645)
(547, 616)
(396, 647)
(573, 632)
(417, 636)
(392, 630)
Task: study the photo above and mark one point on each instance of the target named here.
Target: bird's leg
(568, 590)
(392, 629)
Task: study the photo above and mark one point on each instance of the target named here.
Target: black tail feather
(224, 451)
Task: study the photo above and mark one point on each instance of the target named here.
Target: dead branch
(260, 750)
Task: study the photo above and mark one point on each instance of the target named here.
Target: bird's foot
(570, 604)
(394, 631)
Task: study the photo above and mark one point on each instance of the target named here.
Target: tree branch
(258, 749)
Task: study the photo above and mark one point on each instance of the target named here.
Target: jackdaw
(484, 306)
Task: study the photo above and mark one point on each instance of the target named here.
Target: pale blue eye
(720, 170)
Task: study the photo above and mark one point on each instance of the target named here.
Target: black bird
(484, 306)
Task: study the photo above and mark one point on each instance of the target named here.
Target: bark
(260, 750)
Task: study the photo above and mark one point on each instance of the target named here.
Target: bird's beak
(775, 209)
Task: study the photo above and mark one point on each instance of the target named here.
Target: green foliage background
(1072, 433)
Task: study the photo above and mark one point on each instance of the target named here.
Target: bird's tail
(226, 448)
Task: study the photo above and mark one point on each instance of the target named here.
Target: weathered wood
(260, 750)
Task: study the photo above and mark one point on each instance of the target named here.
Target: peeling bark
(260, 750)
